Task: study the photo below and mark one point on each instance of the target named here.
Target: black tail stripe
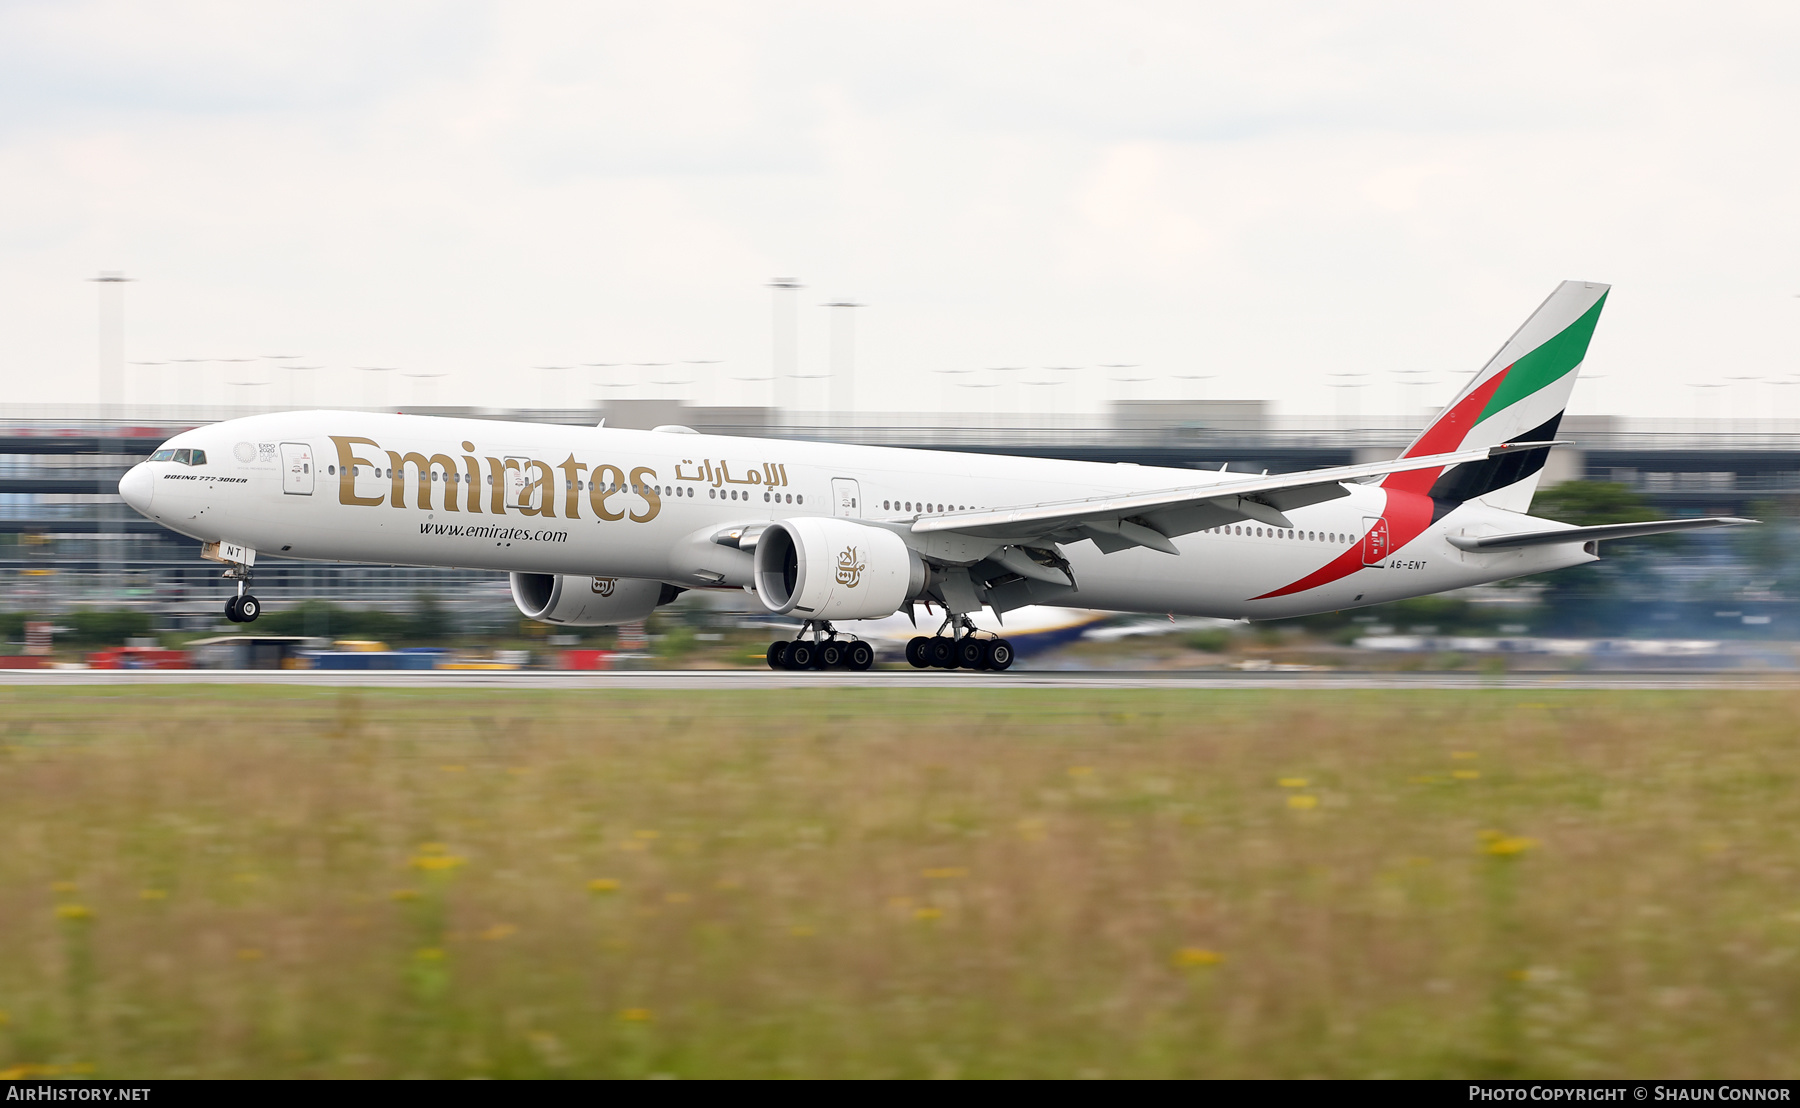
(1473, 479)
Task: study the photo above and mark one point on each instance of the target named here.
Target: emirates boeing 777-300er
(600, 525)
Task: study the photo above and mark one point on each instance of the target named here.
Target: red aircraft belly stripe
(1408, 507)
(1340, 567)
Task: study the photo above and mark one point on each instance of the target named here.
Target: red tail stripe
(1444, 436)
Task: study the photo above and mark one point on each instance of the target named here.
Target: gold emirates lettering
(535, 483)
(849, 568)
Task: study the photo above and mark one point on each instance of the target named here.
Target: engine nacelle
(588, 601)
(819, 568)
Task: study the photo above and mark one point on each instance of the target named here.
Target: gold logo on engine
(603, 586)
(849, 569)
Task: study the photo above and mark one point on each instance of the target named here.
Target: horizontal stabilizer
(1590, 534)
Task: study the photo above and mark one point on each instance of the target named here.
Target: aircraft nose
(137, 486)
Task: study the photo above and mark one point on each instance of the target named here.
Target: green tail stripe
(1548, 362)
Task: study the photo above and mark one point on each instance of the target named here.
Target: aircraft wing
(1153, 518)
(1590, 534)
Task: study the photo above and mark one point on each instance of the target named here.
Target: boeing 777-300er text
(600, 525)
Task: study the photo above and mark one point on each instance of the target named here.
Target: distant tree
(98, 627)
(430, 619)
(1590, 599)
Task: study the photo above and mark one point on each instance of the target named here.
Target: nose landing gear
(964, 647)
(242, 608)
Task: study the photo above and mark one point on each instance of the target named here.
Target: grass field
(297, 882)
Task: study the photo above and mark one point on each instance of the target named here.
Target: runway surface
(895, 679)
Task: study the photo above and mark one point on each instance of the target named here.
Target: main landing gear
(963, 648)
(242, 608)
(823, 651)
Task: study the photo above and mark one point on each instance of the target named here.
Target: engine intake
(820, 568)
(588, 601)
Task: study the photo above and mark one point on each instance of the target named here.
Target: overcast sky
(1262, 194)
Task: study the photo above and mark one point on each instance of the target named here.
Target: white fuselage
(544, 498)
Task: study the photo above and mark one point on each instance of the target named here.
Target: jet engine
(818, 568)
(588, 601)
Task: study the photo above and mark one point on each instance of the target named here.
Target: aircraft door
(296, 469)
(846, 498)
(517, 484)
(1375, 540)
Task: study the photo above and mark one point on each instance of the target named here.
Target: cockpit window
(183, 456)
(199, 458)
(163, 455)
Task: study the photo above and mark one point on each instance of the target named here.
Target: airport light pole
(785, 336)
(109, 387)
(843, 358)
(422, 394)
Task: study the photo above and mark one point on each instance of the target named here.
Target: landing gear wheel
(968, 653)
(918, 652)
(231, 610)
(832, 656)
(248, 608)
(997, 654)
(941, 652)
(859, 656)
(802, 655)
(776, 655)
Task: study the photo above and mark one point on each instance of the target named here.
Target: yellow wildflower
(1293, 782)
(646, 836)
(498, 931)
(153, 894)
(1190, 956)
(1303, 803)
(1465, 774)
(405, 894)
(5, 1018)
(677, 898)
(63, 886)
(437, 863)
(945, 873)
(433, 848)
(1507, 845)
(73, 912)
(1081, 771)
(928, 913)
(637, 1015)
(603, 885)
(801, 931)
(249, 954)
(1464, 754)
(429, 954)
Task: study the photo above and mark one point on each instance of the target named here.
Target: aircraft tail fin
(1518, 396)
